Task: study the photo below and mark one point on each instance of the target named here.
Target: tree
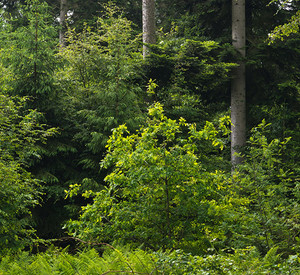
(98, 79)
(28, 47)
(28, 52)
(238, 89)
(19, 192)
(159, 194)
(148, 24)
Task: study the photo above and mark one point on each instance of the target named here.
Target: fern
(124, 260)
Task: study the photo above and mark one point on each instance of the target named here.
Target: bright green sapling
(158, 193)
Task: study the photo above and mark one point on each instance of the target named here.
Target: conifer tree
(238, 88)
(148, 24)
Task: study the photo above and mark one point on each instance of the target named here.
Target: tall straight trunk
(62, 21)
(148, 24)
(238, 86)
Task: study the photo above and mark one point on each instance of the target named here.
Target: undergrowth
(123, 260)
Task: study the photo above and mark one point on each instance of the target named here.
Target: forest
(149, 137)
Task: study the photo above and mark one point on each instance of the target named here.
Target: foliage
(275, 77)
(28, 52)
(28, 60)
(292, 27)
(19, 191)
(119, 260)
(123, 260)
(272, 217)
(282, 31)
(191, 75)
(158, 194)
(162, 193)
(205, 19)
(168, 185)
(241, 261)
(28, 63)
(98, 78)
(88, 11)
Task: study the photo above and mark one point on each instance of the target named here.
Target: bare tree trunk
(62, 21)
(238, 87)
(148, 24)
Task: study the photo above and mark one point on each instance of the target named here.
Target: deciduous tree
(158, 193)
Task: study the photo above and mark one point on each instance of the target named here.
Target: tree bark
(238, 86)
(62, 21)
(148, 24)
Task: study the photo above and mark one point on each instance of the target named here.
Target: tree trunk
(238, 87)
(148, 24)
(62, 21)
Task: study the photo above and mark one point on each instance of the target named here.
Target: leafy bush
(19, 191)
(271, 219)
(158, 192)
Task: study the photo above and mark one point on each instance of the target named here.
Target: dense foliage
(163, 193)
(159, 194)
(101, 145)
(123, 260)
(19, 131)
(100, 68)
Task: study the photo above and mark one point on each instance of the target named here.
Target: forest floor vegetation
(124, 260)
